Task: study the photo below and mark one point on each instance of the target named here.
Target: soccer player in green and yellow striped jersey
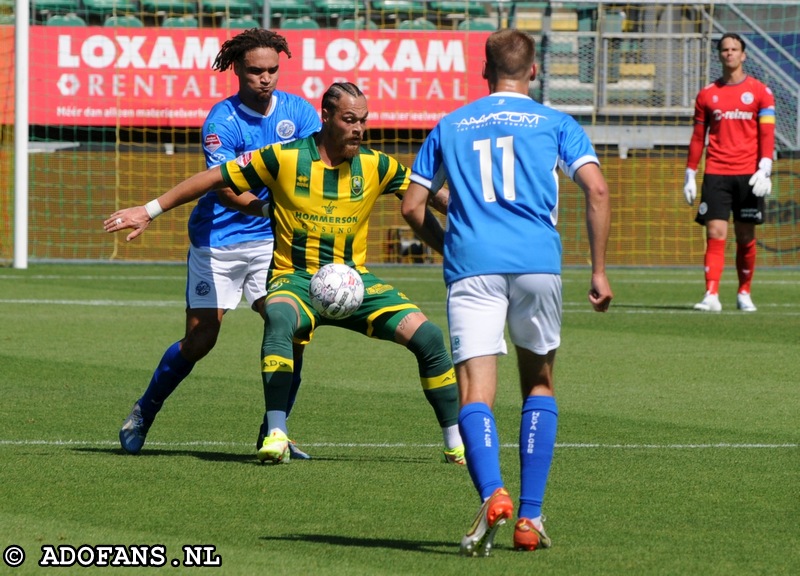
(320, 212)
(323, 190)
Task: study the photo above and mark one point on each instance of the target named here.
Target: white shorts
(479, 307)
(217, 277)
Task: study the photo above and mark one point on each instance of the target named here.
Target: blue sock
(170, 372)
(537, 440)
(482, 448)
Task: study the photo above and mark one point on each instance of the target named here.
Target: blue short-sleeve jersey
(499, 157)
(231, 129)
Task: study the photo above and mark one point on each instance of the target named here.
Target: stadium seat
(65, 20)
(169, 7)
(416, 24)
(45, 8)
(104, 8)
(466, 8)
(243, 23)
(356, 24)
(335, 10)
(128, 21)
(227, 8)
(394, 10)
(180, 22)
(478, 24)
(564, 21)
(527, 16)
(304, 23)
(450, 13)
(284, 8)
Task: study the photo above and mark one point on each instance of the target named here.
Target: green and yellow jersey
(320, 214)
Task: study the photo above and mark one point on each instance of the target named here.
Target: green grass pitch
(678, 444)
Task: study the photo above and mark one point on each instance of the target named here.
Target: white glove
(760, 181)
(690, 186)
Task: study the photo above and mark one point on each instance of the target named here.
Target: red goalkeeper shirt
(740, 122)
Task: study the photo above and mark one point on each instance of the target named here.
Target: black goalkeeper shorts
(723, 195)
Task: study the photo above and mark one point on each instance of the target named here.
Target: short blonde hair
(510, 53)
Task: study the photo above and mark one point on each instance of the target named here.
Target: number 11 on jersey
(484, 148)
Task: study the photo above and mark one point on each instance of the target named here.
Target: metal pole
(266, 16)
(21, 59)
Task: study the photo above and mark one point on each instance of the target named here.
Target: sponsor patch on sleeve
(244, 159)
(212, 143)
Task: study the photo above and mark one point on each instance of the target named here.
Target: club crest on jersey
(356, 185)
(285, 129)
(747, 98)
(212, 143)
(244, 159)
(202, 288)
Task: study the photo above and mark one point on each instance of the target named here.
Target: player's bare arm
(246, 202)
(440, 200)
(420, 218)
(598, 223)
(139, 217)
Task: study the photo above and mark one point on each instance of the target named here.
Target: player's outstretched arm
(598, 223)
(138, 218)
(420, 218)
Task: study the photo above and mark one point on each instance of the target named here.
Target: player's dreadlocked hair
(336, 91)
(234, 49)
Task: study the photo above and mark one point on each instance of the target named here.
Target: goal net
(117, 99)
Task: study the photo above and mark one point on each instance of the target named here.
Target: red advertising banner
(7, 79)
(159, 77)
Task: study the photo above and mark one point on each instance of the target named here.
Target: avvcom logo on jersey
(506, 117)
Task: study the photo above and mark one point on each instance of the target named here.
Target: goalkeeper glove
(760, 181)
(690, 186)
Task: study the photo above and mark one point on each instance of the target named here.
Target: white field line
(378, 445)
(570, 307)
(627, 276)
(109, 303)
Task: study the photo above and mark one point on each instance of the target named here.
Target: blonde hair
(510, 53)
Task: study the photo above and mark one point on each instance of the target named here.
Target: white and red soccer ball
(336, 291)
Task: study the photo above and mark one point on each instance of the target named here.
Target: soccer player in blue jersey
(323, 189)
(231, 241)
(502, 263)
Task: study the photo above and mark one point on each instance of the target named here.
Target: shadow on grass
(249, 458)
(428, 547)
(160, 452)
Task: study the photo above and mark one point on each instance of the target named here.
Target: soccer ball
(336, 291)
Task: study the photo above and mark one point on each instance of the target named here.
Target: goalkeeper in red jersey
(737, 112)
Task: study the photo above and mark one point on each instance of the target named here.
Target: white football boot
(745, 303)
(710, 303)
